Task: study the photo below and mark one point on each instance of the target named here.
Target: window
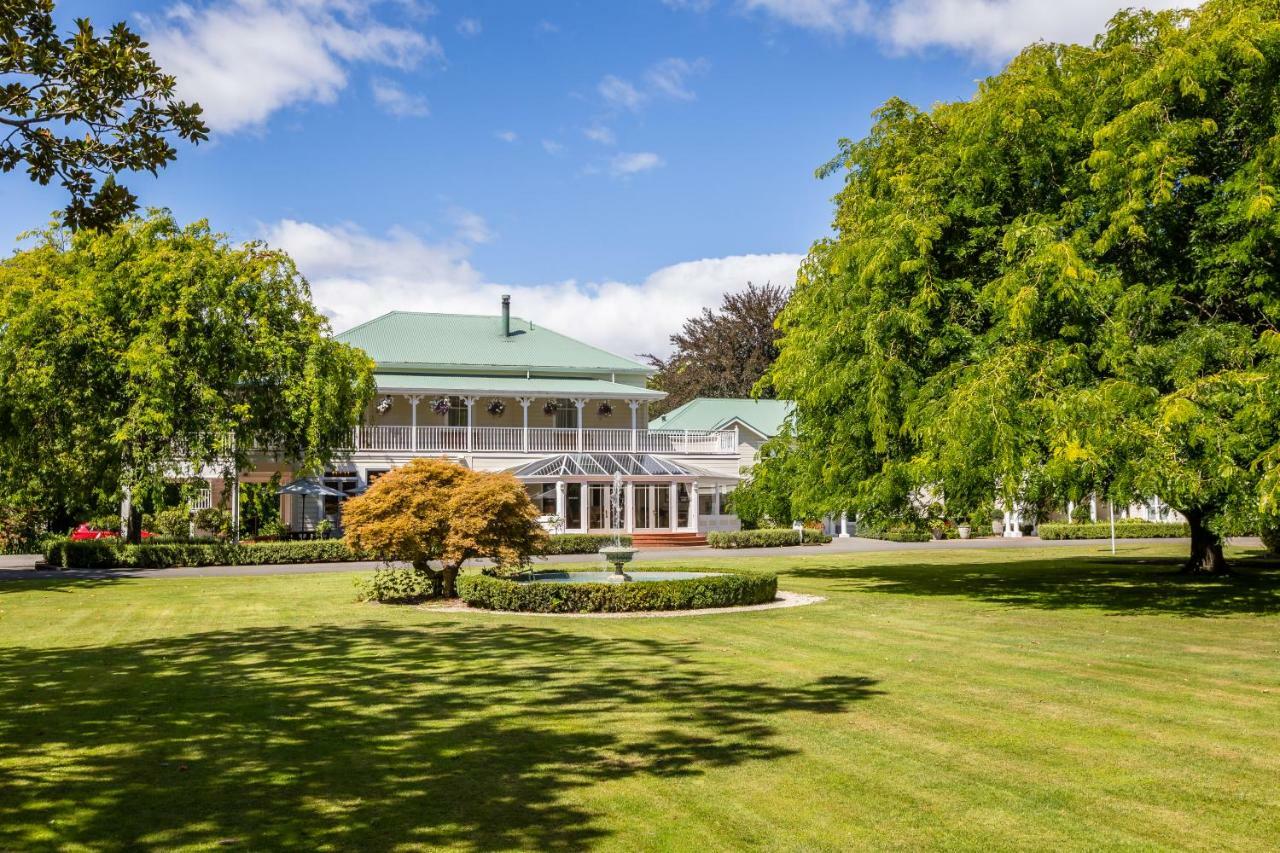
(573, 506)
(682, 505)
(457, 412)
(566, 414)
(543, 496)
(706, 502)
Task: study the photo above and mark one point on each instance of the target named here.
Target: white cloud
(552, 147)
(839, 16)
(668, 77)
(470, 226)
(987, 29)
(600, 133)
(469, 27)
(995, 29)
(246, 59)
(507, 135)
(663, 79)
(629, 164)
(619, 93)
(396, 101)
(356, 276)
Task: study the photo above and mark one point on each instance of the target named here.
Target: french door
(651, 509)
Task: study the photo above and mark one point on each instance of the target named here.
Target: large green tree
(83, 107)
(131, 355)
(1068, 282)
(722, 353)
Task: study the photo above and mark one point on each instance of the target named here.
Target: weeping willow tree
(1069, 279)
(132, 354)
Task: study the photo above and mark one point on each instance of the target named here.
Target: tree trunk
(450, 574)
(135, 527)
(1206, 547)
(437, 578)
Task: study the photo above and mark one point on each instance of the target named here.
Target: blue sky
(615, 165)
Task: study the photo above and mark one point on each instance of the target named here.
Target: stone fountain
(617, 553)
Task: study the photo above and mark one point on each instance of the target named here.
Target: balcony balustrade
(461, 439)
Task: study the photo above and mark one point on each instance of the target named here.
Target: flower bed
(100, 554)
(766, 538)
(1124, 530)
(721, 590)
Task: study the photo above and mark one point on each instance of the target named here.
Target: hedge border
(66, 554)
(769, 537)
(718, 590)
(894, 535)
(1124, 530)
(580, 543)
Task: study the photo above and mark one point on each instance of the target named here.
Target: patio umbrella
(310, 486)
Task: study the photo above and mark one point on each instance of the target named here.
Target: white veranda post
(414, 400)
(634, 404)
(524, 429)
(471, 402)
(579, 404)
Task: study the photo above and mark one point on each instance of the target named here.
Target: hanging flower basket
(605, 410)
(550, 408)
(441, 406)
(496, 408)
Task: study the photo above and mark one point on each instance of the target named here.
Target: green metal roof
(514, 386)
(446, 342)
(763, 416)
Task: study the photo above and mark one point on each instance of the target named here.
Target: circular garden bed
(567, 594)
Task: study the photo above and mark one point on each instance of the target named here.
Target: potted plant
(496, 408)
(938, 529)
(441, 406)
(605, 410)
(550, 408)
(963, 530)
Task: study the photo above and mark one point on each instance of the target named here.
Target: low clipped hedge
(895, 535)
(65, 554)
(1124, 530)
(725, 590)
(766, 538)
(580, 543)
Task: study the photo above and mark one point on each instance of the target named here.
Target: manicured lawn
(969, 699)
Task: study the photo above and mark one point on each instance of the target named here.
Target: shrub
(776, 537)
(214, 520)
(727, 590)
(580, 543)
(896, 534)
(1270, 534)
(174, 522)
(394, 586)
(106, 554)
(1127, 529)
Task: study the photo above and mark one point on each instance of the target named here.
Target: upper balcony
(409, 440)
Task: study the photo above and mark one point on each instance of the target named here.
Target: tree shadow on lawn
(1122, 585)
(365, 737)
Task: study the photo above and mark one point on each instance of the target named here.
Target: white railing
(488, 439)
(552, 440)
(687, 441)
(459, 439)
(438, 438)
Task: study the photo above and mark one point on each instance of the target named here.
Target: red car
(84, 531)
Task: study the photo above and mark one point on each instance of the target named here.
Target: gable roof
(763, 416)
(411, 340)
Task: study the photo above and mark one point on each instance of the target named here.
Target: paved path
(22, 567)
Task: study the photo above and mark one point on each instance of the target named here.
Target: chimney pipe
(506, 316)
